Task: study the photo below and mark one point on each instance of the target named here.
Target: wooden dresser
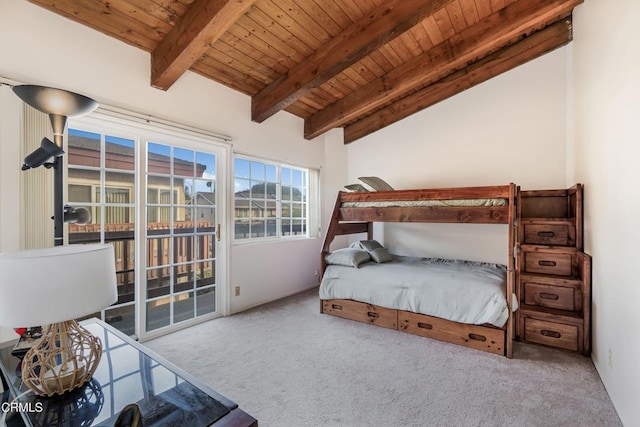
(553, 275)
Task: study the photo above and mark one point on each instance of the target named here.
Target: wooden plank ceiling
(357, 64)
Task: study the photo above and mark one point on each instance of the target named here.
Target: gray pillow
(373, 183)
(368, 245)
(356, 188)
(350, 257)
(377, 252)
(380, 255)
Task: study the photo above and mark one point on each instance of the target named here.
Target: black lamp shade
(55, 101)
(46, 151)
(77, 215)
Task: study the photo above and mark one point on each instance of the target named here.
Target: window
(271, 200)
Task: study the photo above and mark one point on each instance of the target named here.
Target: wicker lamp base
(64, 359)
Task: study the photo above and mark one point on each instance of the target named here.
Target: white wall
(509, 129)
(283, 262)
(43, 48)
(606, 71)
(334, 177)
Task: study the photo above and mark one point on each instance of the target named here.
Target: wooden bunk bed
(356, 212)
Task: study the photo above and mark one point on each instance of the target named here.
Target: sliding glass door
(182, 235)
(158, 195)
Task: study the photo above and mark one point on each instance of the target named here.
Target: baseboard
(273, 300)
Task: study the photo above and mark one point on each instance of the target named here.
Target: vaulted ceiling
(357, 64)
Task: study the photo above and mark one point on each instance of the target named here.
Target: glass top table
(127, 373)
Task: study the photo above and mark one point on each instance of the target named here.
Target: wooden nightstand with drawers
(553, 274)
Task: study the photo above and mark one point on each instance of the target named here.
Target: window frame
(279, 237)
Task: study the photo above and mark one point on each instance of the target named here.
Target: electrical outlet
(316, 272)
(610, 358)
(237, 291)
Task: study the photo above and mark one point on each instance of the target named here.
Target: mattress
(461, 291)
(427, 203)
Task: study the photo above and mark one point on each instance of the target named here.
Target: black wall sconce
(59, 105)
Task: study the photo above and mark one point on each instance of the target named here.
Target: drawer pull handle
(545, 263)
(373, 314)
(546, 295)
(336, 306)
(477, 337)
(424, 325)
(552, 334)
(546, 234)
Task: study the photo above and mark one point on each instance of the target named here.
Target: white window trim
(274, 239)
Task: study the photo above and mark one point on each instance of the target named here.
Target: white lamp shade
(51, 285)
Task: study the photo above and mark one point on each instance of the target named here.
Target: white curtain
(37, 184)
(314, 203)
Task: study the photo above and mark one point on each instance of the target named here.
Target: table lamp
(52, 287)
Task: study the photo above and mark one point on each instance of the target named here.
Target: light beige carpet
(287, 365)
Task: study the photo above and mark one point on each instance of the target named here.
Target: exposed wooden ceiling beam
(204, 23)
(474, 42)
(531, 47)
(354, 43)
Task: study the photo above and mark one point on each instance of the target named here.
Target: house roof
(357, 64)
(82, 151)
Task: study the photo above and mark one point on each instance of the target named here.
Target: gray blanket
(462, 291)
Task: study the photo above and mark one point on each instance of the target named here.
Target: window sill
(265, 240)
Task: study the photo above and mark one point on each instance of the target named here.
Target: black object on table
(128, 373)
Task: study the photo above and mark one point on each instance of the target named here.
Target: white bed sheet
(462, 291)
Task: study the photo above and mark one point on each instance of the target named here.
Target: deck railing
(189, 245)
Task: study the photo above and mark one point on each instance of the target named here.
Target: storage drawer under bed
(484, 338)
(362, 312)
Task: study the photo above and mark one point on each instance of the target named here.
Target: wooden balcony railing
(187, 248)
